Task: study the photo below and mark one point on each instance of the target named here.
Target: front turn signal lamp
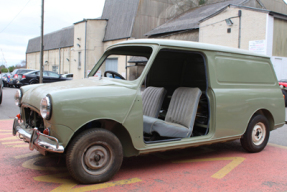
(46, 131)
(18, 116)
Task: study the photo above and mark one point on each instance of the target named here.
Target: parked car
(34, 76)
(1, 87)
(16, 76)
(68, 75)
(5, 79)
(193, 94)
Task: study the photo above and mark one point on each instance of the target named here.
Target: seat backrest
(152, 99)
(183, 107)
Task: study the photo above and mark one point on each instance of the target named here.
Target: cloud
(58, 14)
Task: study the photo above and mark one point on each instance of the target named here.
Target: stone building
(77, 48)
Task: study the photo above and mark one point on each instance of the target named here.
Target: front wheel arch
(116, 128)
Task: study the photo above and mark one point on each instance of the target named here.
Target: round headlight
(46, 108)
(18, 97)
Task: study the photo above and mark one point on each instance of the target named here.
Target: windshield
(126, 63)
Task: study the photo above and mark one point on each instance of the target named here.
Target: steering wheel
(114, 74)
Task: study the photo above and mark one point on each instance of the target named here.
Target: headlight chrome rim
(46, 108)
(18, 97)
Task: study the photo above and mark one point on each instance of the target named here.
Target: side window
(45, 74)
(54, 75)
(112, 64)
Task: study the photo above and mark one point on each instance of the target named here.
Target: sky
(20, 20)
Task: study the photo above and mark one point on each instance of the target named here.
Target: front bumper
(37, 140)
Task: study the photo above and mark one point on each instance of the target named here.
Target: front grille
(33, 119)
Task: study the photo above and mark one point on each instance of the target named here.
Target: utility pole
(42, 46)
(239, 33)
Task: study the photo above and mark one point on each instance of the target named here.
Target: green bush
(4, 70)
(201, 2)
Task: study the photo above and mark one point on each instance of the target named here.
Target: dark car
(34, 76)
(1, 85)
(16, 76)
(5, 79)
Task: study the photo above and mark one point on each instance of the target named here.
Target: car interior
(175, 104)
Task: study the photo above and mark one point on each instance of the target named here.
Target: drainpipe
(59, 71)
(126, 66)
(85, 64)
(239, 33)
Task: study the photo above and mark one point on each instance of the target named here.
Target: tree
(11, 68)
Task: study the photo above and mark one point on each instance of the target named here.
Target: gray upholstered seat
(152, 99)
(180, 117)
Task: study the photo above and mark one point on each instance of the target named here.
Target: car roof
(190, 44)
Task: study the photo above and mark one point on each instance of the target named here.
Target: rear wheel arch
(268, 116)
(116, 128)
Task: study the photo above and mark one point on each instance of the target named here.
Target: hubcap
(96, 159)
(258, 133)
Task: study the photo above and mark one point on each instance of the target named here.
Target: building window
(79, 60)
(55, 68)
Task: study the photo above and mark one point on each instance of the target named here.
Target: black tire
(1, 97)
(94, 156)
(257, 134)
(33, 82)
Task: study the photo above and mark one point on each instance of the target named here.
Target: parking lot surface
(219, 167)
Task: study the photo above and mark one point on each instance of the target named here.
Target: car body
(32, 77)
(282, 84)
(68, 75)
(16, 75)
(98, 120)
(1, 87)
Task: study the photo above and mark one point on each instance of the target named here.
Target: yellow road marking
(279, 146)
(67, 184)
(26, 155)
(6, 130)
(30, 164)
(235, 161)
(6, 133)
(12, 142)
(18, 146)
(6, 119)
(9, 138)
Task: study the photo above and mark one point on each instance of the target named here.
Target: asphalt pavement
(8, 110)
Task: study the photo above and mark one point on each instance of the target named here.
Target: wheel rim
(97, 158)
(258, 133)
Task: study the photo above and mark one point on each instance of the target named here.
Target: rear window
(23, 71)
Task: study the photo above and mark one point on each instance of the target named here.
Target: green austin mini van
(185, 94)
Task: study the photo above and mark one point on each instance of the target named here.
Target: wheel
(94, 156)
(33, 82)
(257, 134)
(1, 97)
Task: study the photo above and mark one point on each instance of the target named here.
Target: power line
(15, 16)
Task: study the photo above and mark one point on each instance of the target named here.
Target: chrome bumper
(37, 140)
